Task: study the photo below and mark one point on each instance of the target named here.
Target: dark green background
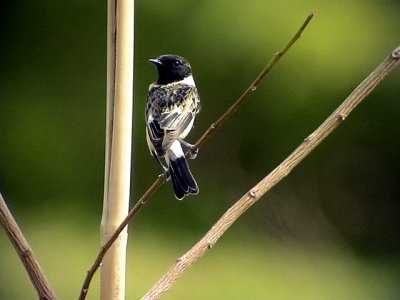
(330, 230)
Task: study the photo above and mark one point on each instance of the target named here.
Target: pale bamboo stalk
(118, 144)
(280, 172)
(25, 253)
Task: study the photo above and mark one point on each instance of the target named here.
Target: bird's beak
(155, 61)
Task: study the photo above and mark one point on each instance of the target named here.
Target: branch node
(252, 194)
(342, 117)
(253, 88)
(212, 126)
(396, 53)
(26, 253)
(209, 245)
(178, 260)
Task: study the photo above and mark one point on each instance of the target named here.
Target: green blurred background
(330, 230)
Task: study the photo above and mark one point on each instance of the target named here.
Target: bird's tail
(183, 181)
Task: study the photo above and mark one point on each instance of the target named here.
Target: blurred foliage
(330, 230)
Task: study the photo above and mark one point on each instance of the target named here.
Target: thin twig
(254, 85)
(254, 194)
(25, 253)
(159, 181)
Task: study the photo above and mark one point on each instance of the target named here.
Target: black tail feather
(183, 181)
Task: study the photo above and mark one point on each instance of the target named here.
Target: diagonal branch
(254, 194)
(25, 253)
(161, 178)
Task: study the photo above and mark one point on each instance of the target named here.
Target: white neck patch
(188, 80)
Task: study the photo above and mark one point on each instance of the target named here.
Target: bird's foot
(190, 149)
(166, 174)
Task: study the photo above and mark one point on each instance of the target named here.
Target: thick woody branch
(161, 178)
(254, 194)
(25, 253)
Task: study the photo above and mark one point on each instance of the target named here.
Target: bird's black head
(171, 68)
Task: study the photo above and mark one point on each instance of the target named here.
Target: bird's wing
(155, 136)
(154, 133)
(173, 134)
(179, 115)
(170, 113)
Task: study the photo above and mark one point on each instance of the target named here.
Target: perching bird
(172, 105)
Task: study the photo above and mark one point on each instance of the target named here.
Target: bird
(171, 107)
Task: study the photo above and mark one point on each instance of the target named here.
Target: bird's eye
(177, 63)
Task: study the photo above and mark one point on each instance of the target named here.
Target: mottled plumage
(172, 105)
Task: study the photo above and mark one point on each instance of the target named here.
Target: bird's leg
(190, 148)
